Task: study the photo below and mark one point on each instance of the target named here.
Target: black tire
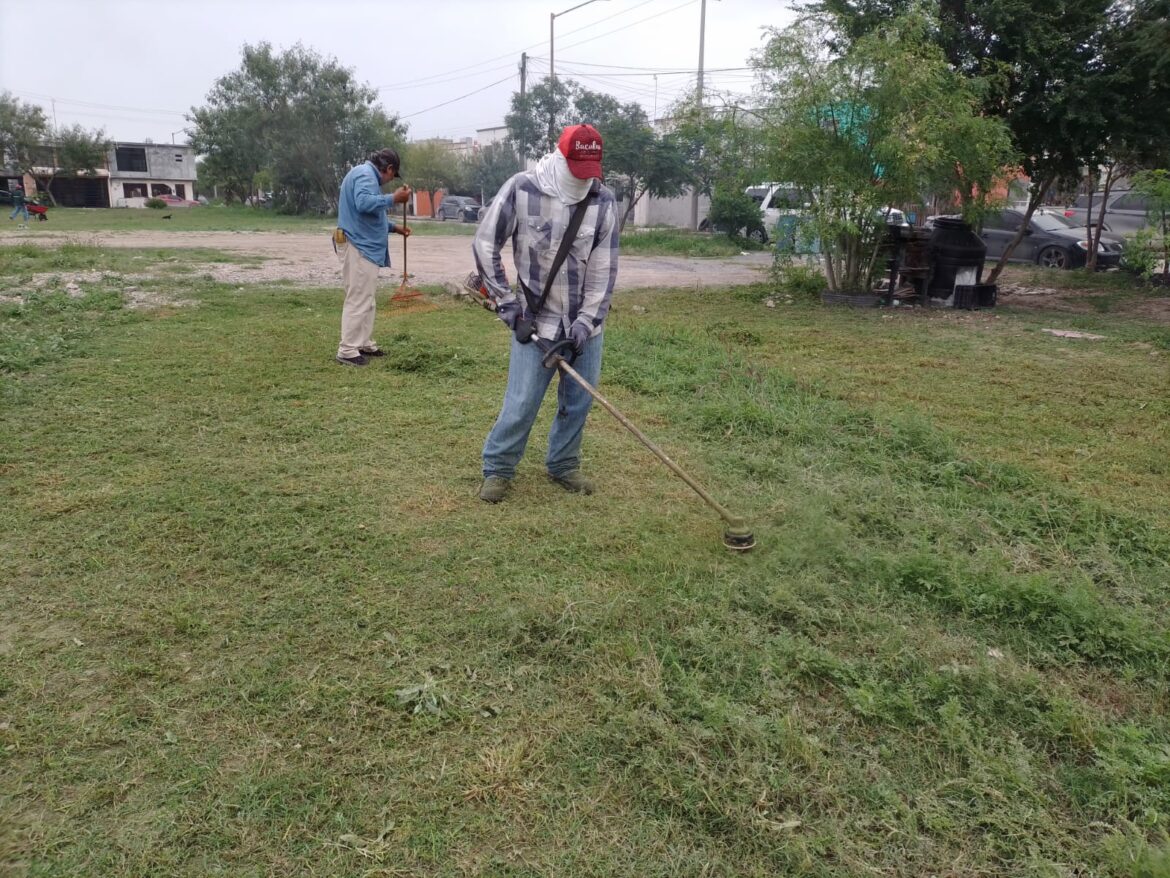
(442, 217)
(1053, 257)
(758, 235)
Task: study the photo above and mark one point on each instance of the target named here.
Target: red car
(176, 201)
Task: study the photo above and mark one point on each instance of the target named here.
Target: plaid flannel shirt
(536, 223)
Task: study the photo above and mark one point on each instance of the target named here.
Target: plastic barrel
(953, 247)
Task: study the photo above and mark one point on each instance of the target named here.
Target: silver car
(1125, 212)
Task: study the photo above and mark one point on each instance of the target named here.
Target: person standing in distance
(19, 206)
(361, 243)
(534, 209)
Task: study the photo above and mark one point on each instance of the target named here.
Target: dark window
(130, 158)
(178, 157)
(160, 189)
(180, 190)
(1007, 221)
(134, 190)
(1131, 201)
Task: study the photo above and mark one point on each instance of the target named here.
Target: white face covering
(556, 180)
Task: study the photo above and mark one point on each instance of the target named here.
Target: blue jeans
(21, 209)
(527, 382)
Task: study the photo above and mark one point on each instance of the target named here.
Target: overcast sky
(135, 67)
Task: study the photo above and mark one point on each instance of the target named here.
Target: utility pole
(699, 98)
(552, 67)
(523, 73)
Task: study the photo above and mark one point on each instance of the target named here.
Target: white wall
(669, 211)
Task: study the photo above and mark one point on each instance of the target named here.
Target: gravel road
(309, 259)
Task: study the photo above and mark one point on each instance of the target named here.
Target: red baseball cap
(581, 146)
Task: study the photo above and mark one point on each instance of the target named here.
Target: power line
(59, 100)
(651, 70)
(427, 79)
(453, 100)
(633, 24)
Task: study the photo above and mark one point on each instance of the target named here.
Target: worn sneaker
(376, 352)
(359, 360)
(573, 481)
(494, 488)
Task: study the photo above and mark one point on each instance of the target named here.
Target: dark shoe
(359, 360)
(494, 488)
(376, 352)
(573, 481)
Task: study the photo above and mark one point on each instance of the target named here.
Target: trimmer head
(737, 537)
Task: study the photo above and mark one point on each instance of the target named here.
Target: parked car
(460, 207)
(176, 201)
(5, 196)
(1125, 212)
(1050, 241)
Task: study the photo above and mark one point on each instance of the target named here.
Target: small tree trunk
(47, 182)
(1095, 237)
(1033, 202)
(629, 211)
(831, 273)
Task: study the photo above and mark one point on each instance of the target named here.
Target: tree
(70, 152)
(23, 130)
(1155, 186)
(537, 118)
(871, 127)
(724, 146)
(1048, 70)
(429, 165)
(299, 116)
(490, 168)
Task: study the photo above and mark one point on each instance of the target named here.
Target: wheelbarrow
(40, 211)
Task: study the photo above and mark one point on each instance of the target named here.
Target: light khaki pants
(360, 277)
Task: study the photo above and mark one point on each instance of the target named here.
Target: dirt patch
(1153, 306)
(308, 259)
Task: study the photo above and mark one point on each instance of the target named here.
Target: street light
(552, 17)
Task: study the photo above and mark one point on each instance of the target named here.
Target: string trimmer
(737, 537)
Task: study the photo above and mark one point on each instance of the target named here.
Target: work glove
(579, 333)
(509, 312)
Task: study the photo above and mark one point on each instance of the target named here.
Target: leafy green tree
(1155, 186)
(724, 146)
(1075, 81)
(536, 119)
(868, 128)
(301, 117)
(23, 130)
(491, 168)
(429, 165)
(70, 152)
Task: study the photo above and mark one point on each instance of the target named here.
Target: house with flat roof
(130, 174)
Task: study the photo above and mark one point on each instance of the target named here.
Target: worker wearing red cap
(534, 210)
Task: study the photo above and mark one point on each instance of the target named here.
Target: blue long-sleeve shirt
(361, 213)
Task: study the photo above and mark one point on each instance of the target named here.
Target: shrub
(156, 203)
(799, 280)
(735, 212)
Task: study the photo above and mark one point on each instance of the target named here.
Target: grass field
(253, 620)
